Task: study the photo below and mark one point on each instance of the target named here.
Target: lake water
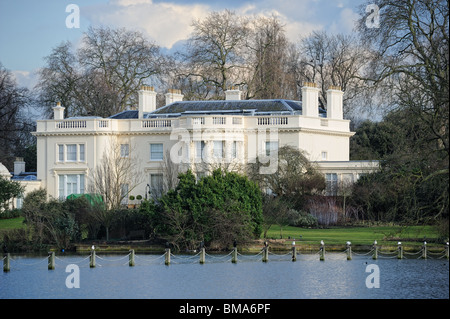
(218, 278)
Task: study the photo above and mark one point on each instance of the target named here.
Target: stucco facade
(228, 131)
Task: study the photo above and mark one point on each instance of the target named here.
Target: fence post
(375, 247)
(447, 250)
(424, 250)
(51, 260)
(349, 251)
(265, 257)
(294, 253)
(234, 255)
(167, 259)
(6, 262)
(400, 251)
(92, 259)
(131, 262)
(202, 256)
(322, 250)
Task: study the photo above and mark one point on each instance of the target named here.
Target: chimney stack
(233, 94)
(58, 112)
(173, 95)
(310, 100)
(335, 103)
(147, 100)
(19, 166)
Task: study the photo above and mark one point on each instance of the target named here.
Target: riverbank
(275, 245)
(307, 240)
(280, 239)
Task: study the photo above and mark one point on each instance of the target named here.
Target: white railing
(237, 120)
(103, 123)
(70, 124)
(272, 120)
(198, 121)
(156, 123)
(219, 120)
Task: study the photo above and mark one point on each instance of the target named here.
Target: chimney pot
(233, 94)
(19, 166)
(173, 95)
(335, 103)
(310, 99)
(58, 111)
(147, 100)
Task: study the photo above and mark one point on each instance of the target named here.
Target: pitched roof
(125, 115)
(241, 107)
(224, 106)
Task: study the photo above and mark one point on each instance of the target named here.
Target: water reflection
(218, 278)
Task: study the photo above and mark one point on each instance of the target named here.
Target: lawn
(331, 236)
(12, 223)
(356, 235)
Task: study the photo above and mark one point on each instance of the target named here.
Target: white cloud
(165, 23)
(296, 30)
(130, 2)
(168, 23)
(297, 16)
(27, 79)
(346, 22)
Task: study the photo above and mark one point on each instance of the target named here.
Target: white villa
(188, 132)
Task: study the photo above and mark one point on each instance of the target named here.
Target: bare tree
(333, 60)
(325, 209)
(102, 78)
(294, 178)
(412, 47)
(58, 80)
(116, 175)
(124, 59)
(14, 126)
(215, 51)
(268, 55)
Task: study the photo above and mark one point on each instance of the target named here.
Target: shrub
(219, 208)
(10, 213)
(324, 209)
(306, 220)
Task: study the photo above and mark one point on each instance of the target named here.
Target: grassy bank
(357, 235)
(307, 239)
(12, 223)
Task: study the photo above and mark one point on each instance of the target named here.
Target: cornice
(207, 129)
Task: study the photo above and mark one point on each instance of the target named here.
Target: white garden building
(229, 132)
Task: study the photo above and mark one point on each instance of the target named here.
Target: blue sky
(29, 29)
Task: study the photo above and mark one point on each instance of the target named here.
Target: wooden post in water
(322, 251)
(447, 251)
(167, 258)
(375, 247)
(6, 262)
(294, 253)
(424, 250)
(400, 251)
(51, 260)
(131, 262)
(234, 255)
(202, 256)
(265, 257)
(349, 250)
(92, 259)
